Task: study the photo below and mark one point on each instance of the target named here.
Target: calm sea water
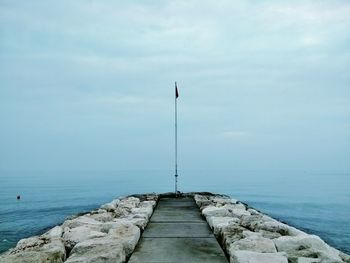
(318, 203)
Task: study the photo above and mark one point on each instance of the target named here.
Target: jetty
(189, 227)
(178, 233)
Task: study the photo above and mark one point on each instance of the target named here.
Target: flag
(176, 91)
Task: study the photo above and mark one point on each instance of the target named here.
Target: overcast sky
(89, 85)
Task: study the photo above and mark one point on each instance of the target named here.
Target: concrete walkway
(177, 233)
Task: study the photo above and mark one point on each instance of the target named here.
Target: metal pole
(176, 175)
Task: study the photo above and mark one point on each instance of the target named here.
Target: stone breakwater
(111, 233)
(248, 236)
(108, 234)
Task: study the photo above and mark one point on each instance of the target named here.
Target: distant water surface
(318, 203)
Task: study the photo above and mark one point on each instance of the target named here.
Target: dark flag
(176, 92)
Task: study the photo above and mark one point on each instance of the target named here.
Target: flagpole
(176, 175)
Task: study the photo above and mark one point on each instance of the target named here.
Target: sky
(89, 85)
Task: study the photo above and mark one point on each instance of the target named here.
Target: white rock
(308, 260)
(132, 219)
(253, 243)
(220, 201)
(253, 211)
(256, 257)
(139, 220)
(31, 242)
(238, 210)
(306, 245)
(55, 232)
(201, 200)
(215, 211)
(143, 210)
(234, 201)
(128, 234)
(129, 203)
(105, 249)
(221, 221)
(103, 217)
(148, 203)
(81, 221)
(79, 234)
(36, 249)
(275, 226)
(111, 206)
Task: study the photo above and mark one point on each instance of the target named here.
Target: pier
(164, 228)
(178, 233)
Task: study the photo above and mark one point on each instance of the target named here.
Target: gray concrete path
(177, 233)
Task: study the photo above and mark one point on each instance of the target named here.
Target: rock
(55, 232)
(36, 249)
(228, 210)
(148, 204)
(105, 249)
(344, 257)
(111, 206)
(139, 220)
(211, 210)
(128, 234)
(238, 210)
(230, 234)
(308, 246)
(129, 203)
(132, 219)
(308, 260)
(143, 210)
(256, 257)
(202, 201)
(264, 224)
(254, 243)
(81, 233)
(220, 201)
(253, 211)
(31, 242)
(81, 221)
(103, 217)
(218, 223)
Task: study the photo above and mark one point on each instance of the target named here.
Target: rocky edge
(108, 234)
(247, 235)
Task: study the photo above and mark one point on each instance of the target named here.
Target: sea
(316, 202)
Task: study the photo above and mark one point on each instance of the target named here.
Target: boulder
(309, 246)
(129, 203)
(308, 260)
(238, 210)
(143, 210)
(72, 236)
(230, 234)
(111, 206)
(218, 223)
(228, 210)
(202, 201)
(148, 204)
(98, 250)
(139, 220)
(254, 243)
(36, 250)
(55, 232)
(103, 217)
(81, 221)
(220, 201)
(211, 210)
(256, 257)
(128, 234)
